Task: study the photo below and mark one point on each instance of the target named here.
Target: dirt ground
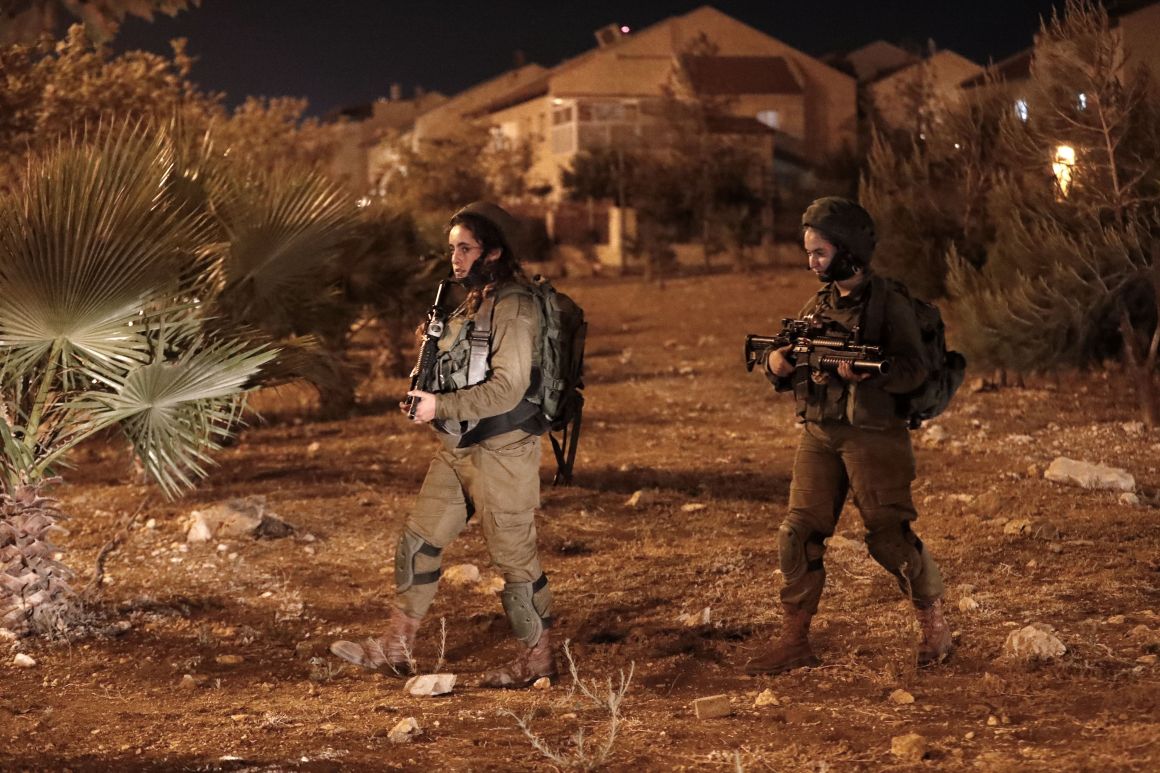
(680, 586)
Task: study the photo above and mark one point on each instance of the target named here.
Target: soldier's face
(819, 251)
(465, 249)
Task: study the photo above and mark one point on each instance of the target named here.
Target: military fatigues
(496, 480)
(854, 439)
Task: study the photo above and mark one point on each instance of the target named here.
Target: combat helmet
(843, 222)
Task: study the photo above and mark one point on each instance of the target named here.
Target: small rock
(1116, 620)
(901, 697)
(980, 385)
(1133, 428)
(313, 448)
(968, 604)
(192, 681)
(992, 721)
(229, 660)
(910, 747)
(1147, 660)
(235, 518)
(712, 707)
(766, 698)
(934, 434)
(151, 523)
(461, 574)
(694, 619)
(494, 584)
(969, 736)
(1017, 526)
(640, 498)
(1088, 475)
(1129, 498)
(543, 683)
(23, 661)
(404, 730)
(430, 684)
(1033, 642)
(692, 507)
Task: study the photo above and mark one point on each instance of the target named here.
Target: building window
(562, 115)
(770, 118)
(1021, 109)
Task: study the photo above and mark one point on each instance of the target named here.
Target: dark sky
(344, 52)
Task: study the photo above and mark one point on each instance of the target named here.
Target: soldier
(489, 463)
(852, 438)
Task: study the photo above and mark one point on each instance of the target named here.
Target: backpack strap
(480, 341)
(565, 448)
(874, 316)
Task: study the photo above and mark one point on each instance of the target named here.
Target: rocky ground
(213, 655)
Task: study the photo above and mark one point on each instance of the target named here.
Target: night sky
(338, 53)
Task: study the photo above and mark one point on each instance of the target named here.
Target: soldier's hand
(846, 372)
(424, 408)
(778, 364)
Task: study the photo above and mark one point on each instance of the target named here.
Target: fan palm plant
(101, 326)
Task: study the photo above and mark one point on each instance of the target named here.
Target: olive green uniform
(853, 438)
(496, 480)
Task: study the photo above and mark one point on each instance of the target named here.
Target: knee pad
(529, 608)
(797, 555)
(892, 547)
(413, 550)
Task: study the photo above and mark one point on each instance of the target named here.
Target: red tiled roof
(734, 75)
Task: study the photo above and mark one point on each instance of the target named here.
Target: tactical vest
(465, 363)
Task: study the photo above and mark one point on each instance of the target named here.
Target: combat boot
(530, 664)
(394, 649)
(936, 645)
(792, 649)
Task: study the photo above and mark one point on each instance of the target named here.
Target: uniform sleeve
(903, 345)
(515, 325)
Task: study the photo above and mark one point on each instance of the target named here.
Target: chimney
(609, 34)
(396, 92)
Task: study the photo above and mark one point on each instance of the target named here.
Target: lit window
(1021, 109)
(1081, 101)
(770, 118)
(1062, 167)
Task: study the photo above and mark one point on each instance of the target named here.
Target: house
(903, 98)
(613, 94)
(359, 130)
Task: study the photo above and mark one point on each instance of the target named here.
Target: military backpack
(945, 369)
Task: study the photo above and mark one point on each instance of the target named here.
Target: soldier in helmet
(489, 463)
(853, 439)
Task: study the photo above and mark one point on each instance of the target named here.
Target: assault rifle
(432, 330)
(814, 347)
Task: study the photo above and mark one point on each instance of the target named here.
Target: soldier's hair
(490, 237)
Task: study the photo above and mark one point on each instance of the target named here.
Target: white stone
(1088, 475)
(404, 730)
(968, 604)
(1129, 498)
(461, 574)
(901, 697)
(1021, 440)
(236, 518)
(1134, 428)
(430, 684)
(910, 747)
(23, 661)
(934, 434)
(491, 585)
(692, 507)
(767, 698)
(694, 619)
(1033, 642)
(543, 683)
(313, 448)
(151, 523)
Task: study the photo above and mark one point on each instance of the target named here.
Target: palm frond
(176, 412)
(88, 240)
